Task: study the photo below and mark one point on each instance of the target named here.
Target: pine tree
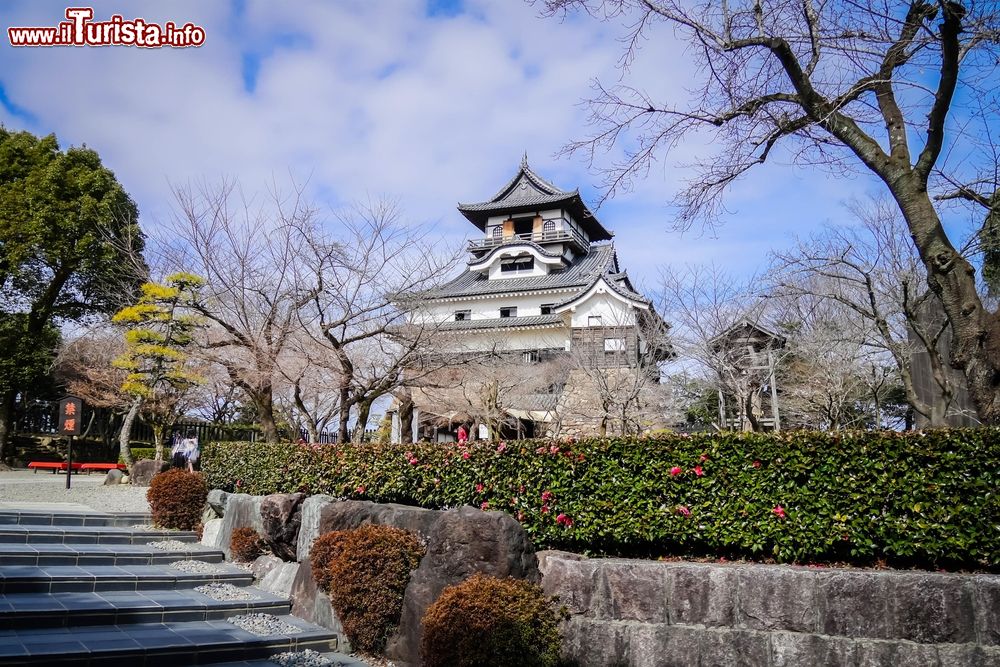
(160, 329)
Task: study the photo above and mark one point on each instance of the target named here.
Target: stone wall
(645, 613)
(579, 404)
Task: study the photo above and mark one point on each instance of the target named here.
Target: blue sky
(430, 102)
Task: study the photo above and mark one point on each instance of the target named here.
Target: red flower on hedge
(479, 488)
(698, 471)
(683, 510)
(554, 449)
(360, 490)
(703, 458)
(485, 506)
(466, 455)
(564, 520)
(501, 447)
(545, 509)
(408, 455)
(414, 461)
(546, 496)
(520, 516)
(756, 464)
(779, 511)
(676, 470)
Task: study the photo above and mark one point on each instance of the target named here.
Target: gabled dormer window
(510, 311)
(463, 315)
(515, 264)
(547, 308)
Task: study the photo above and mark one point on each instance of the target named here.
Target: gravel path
(263, 625)
(44, 487)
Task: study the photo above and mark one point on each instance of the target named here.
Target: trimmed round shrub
(489, 622)
(365, 572)
(176, 498)
(246, 544)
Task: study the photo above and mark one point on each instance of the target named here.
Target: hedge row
(916, 498)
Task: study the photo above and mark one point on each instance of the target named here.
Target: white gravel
(306, 658)
(175, 545)
(223, 591)
(263, 625)
(196, 567)
(44, 487)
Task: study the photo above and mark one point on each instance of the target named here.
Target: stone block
(653, 645)
(570, 577)
(217, 499)
(281, 580)
(987, 608)
(795, 649)
(462, 542)
(965, 655)
(417, 520)
(281, 515)
(593, 643)
(931, 608)
(854, 604)
(702, 594)
(313, 605)
(725, 647)
(263, 565)
(312, 507)
(873, 653)
(776, 597)
(632, 590)
(241, 510)
(211, 532)
(143, 471)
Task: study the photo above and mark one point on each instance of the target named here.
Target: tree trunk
(6, 426)
(126, 434)
(159, 435)
(406, 417)
(975, 347)
(364, 410)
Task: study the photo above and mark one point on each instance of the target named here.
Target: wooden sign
(70, 415)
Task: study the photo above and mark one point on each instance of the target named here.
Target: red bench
(54, 466)
(91, 467)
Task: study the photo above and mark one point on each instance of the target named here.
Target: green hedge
(916, 498)
(139, 453)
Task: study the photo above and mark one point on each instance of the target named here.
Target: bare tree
(838, 84)
(308, 393)
(248, 252)
(876, 277)
(364, 280)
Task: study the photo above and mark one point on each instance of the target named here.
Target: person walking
(191, 450)
(177, 458)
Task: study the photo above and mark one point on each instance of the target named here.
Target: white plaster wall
(612, 312)
(503, 340)
(488, 308)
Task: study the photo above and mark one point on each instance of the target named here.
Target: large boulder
(114, 477)
(461, 542)
(312, 508)
(311, 604)
(211, 532)
(143, 471)
(242, 510)
(217, 499)
(281, 515)
(322, 514)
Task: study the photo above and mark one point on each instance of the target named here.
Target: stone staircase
(88, 588)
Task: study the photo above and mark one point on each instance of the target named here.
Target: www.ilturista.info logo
(81, 30)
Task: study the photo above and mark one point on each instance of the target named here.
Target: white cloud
(368, 98)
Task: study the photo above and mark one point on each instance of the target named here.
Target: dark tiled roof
(504, 323)
(536, 193)
(581, 273)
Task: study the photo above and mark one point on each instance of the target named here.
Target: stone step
(101, 554)
(72, 518)
(174, 643)
(45, 610)
(100, 578)
(27, 534)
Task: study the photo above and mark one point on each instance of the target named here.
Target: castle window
(463, 315)
(547, 308)
(519, 263)
(548, 227)
(498, 232)
(531, 357)
(614, 344)
(510, 311)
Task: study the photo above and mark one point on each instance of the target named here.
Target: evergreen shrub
(177, 498)
(920, 498)
(489, 622)
(365, 572)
